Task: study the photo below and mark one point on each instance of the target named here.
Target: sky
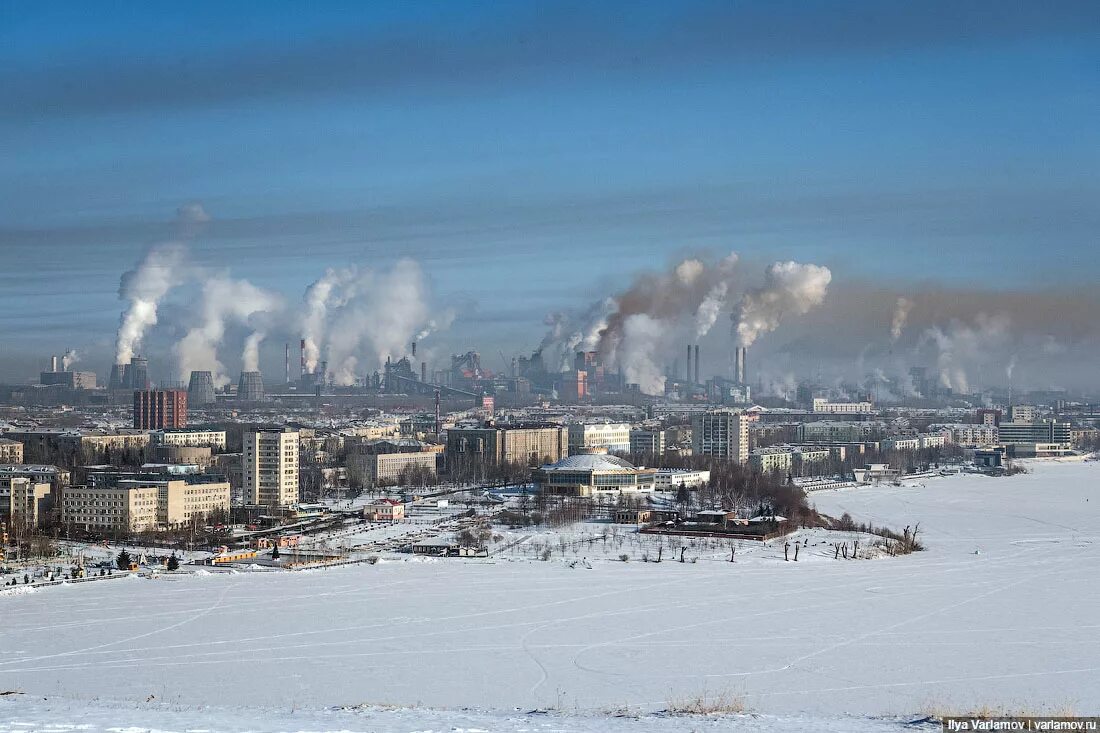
(536, 157)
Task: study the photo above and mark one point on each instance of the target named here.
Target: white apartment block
(967, 433)
(270, 467)
(615, 437)
(721, 433)
(214, 439)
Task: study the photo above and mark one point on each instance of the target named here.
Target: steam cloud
(789, 288)
(158, 272)
(356, 315)
(224, 301)
(901, 316)
(71, 357)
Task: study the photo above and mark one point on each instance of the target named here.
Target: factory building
(722, 433)
(67, 379)
(613, 437)
(593, 474)
(270, 467)
(158, 409)
(250, 387)
(11, 451)
(200, 389)
(526, 445)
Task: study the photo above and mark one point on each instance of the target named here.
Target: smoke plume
(789, 288)
(225, 301)
(357, 315)
(71, 357)
(158, 272)
(901, 316)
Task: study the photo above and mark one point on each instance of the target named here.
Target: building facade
(121, 509)
(650, 442)
(24, 502)
(270, 467)
(612, 437)
(158, 409)
(723, 434)
(522, 445)
(820, 404)
(214, 439)
(11, 451)
(593, 474)
(378, 469)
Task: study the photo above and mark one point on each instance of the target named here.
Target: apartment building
(378, 469)
(11, 451)
(121, 509)
(191, 438)
(721, 433)
(612, 437)
(24, 502)
(270, 467)
(527, 445)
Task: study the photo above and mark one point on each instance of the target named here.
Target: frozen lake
(999, 610)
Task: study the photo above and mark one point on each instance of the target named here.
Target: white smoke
(71, 357)
(901, 316)
(962, 348)
(789, 288)
(437, 324)
(357, 315)
(250, 357)
(641, 343)
(225, 301)
(159, 271)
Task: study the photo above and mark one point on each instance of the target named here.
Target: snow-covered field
(1000, 610)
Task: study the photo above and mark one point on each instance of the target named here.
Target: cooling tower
(137, 374)
(251, 387)
(200, 390)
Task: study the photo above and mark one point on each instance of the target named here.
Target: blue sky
(535, 156)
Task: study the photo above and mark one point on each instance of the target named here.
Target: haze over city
(527, 366)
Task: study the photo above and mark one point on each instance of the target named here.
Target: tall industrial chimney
(687, 372)
(288, 362)
(414, 350)
(53, 363)
(303, 348)
(739, 365)
(697, 364)
(423, 371)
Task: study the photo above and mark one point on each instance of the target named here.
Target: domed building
(593, 473)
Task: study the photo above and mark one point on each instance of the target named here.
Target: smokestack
(423, 371)
(438, 427)
(303, 347)
(414, 350)
(739, 365)
(53, 363)
(687, 373)
(697, 364)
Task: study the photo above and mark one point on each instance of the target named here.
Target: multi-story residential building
(796, 460)
(24, 502)
(270, 466)
(967, 433)
(842, 431)
(820, 404)
(1022, 413)
(181, 497)
(158, 409)
(524, 445)
(647, 442)
(122, 509)
(11, 451)
(76, 443)
(613, 437)
(191, 438)
(722, 433)
(53, 475)
(901, 443)
(380, 469)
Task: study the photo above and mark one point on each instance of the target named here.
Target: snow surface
(999, 611)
